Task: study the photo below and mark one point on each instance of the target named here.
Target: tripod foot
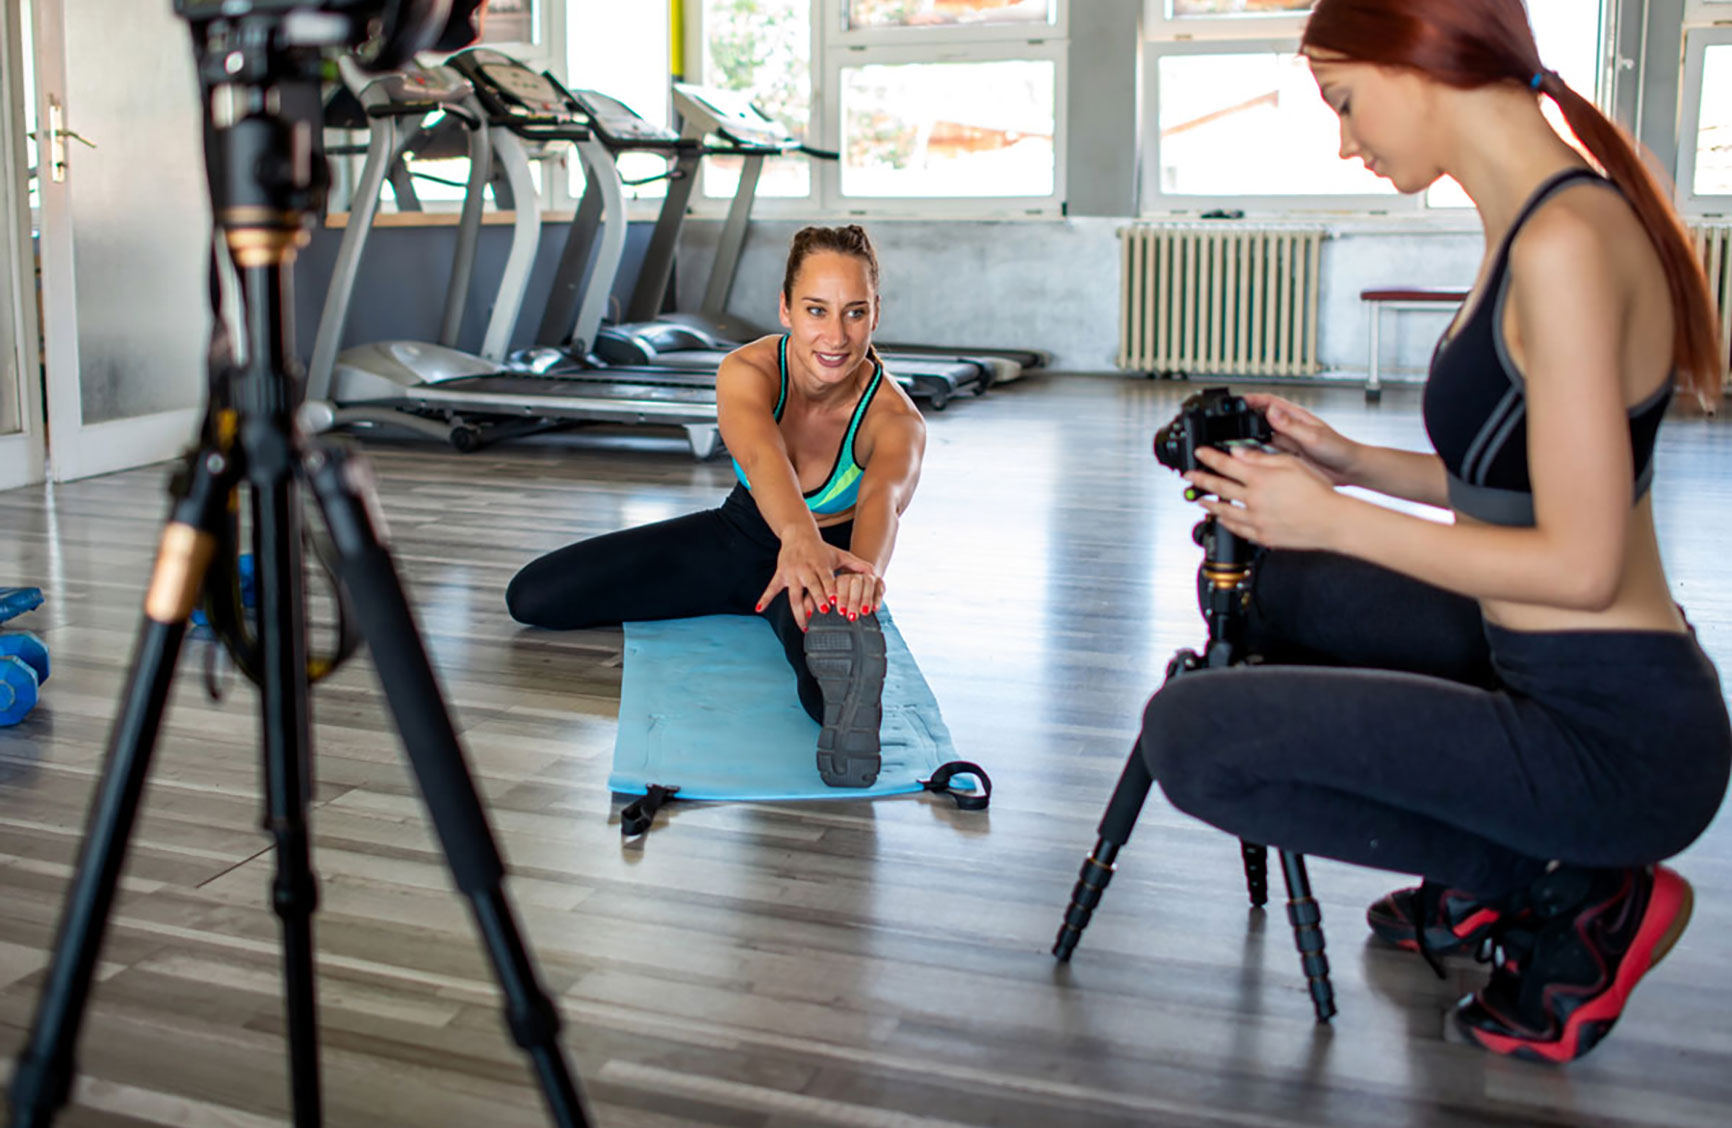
(1256, 858)
(1306, 916)
(1097, 871)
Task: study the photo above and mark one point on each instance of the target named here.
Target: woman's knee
(1180, 741)
(542, 595)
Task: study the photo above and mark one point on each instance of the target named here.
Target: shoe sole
(847, 658)
(1670, 903)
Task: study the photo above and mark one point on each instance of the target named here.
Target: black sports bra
(1476, 407)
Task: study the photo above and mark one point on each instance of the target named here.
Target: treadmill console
(733, 115)
(420, 86)
(530, 104)
(619, 126)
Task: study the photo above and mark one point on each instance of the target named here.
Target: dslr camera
(384, 33)
(1214, 417)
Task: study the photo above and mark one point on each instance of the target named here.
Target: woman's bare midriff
(1643, 601)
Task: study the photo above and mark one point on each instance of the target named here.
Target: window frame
(1697, 40)
(833, 48)
(1227, 35)
(1050, 205)
(1158, 25)
(1704, 13)
(834, 14)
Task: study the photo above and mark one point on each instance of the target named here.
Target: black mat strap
(939, 784)
(637, 818)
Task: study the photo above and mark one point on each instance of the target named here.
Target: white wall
(1055, 285)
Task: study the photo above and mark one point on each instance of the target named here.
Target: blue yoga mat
(708, 705)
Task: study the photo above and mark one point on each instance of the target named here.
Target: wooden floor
(844, 963)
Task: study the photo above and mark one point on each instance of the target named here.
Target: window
(621, 50)
(1228, 120)
(762, 48)
(975, 129)
(507, 22)
(1713, 172)
(1196, 9)
(954, 21)
(1229, 99)
(931, 105)
(946, 105)
(1705, 133)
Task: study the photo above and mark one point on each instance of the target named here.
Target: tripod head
(1216, 418)
(384, 34)
(259, 63)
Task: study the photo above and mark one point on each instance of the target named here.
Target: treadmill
(573, 343)
(436, 389)
(733, 117)
(573, 340)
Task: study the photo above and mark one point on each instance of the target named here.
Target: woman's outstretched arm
(886, 488)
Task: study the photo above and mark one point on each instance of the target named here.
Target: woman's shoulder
(1587, 232)
(760, 355)
(752, 365)
(893, 409)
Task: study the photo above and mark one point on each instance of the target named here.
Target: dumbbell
(23, 669)
(18, 690)
(27, 648)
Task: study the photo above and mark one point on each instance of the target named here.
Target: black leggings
(1395, 728)
(717, 562)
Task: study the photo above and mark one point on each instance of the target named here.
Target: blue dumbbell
(27, 648)
(17, 689)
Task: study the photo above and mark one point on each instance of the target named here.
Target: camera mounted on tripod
(1213, 417)
(383, 34)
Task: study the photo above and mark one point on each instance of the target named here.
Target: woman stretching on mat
(827, 451)
(1531, 725)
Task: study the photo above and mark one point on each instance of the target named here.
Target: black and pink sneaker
(1562, 975)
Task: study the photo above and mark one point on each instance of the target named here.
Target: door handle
(58, 135)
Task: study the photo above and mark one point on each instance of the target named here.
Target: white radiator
(1219, 300)
(1714, 245)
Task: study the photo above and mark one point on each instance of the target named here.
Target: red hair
(1468, 44)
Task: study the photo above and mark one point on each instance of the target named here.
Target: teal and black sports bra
(841, 489)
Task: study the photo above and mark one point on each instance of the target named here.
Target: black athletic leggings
(717, 562)
(1393, 727)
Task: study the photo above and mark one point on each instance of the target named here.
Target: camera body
(386, 33)
(1213, 417)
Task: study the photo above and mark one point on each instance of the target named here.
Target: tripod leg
(42, 1081)
(1256, 859)
(412, 690)
(1097, 870)
(1307, 919)
(288, 772)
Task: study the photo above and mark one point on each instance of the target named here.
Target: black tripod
(266, 181)
(1223, 586)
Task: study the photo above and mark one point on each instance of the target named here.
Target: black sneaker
(1458, 922)
(1564, 973)
(846, 656)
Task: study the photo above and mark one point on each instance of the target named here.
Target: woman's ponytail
(1697, 350)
